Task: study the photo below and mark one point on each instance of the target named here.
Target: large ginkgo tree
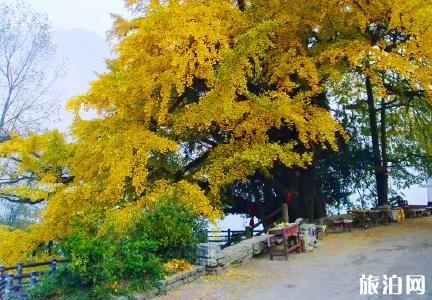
(202, 95)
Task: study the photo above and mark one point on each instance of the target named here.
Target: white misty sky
(92, 15)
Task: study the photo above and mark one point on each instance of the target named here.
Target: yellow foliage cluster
(39, 159)
(176, 266)
(14, 246)
(377, 38)
(203, 75)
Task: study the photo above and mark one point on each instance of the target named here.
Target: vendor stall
(289, 238)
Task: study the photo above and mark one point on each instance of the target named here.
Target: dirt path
(331, 272)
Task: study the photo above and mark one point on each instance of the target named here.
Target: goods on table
(282, 225)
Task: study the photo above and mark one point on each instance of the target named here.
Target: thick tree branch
(14, 181)
(17, 199)
(181, 174)
(241, 5)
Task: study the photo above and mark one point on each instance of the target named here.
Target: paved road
(332, 271)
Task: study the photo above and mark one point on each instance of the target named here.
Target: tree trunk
(241, 4)
(262, 215)
(306, 204)
(378, 170)
(285, 215)
(384, 178)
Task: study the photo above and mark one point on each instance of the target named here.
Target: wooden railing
(16, 278)
(266, 218)
(228, 237)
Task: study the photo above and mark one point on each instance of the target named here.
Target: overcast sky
(92, 15)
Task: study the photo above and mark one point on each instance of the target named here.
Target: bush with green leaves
(105, 260)
(176, 230)
(107, 264)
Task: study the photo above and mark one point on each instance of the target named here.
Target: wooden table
(342, 225)
(347, 224)
(380, 216)
(338, 225)
(321, 230)
(414, 212)
(287, 235)
(362, 217)
(374, 216)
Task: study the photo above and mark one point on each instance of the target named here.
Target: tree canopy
(204, 95)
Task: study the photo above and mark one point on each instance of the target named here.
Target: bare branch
(27, 71)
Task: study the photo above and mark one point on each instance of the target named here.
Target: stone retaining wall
(211, 260)
(215, 259)
(179, 279)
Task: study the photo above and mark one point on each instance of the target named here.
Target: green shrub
(176, 230)
(112, 264)
(63, 285)
(104, 260)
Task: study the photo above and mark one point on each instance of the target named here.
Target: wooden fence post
(9, 285)
(285, 213)
(33, 279)
(248, 232)
(50, 245)
(53, 264)
(19, 272)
